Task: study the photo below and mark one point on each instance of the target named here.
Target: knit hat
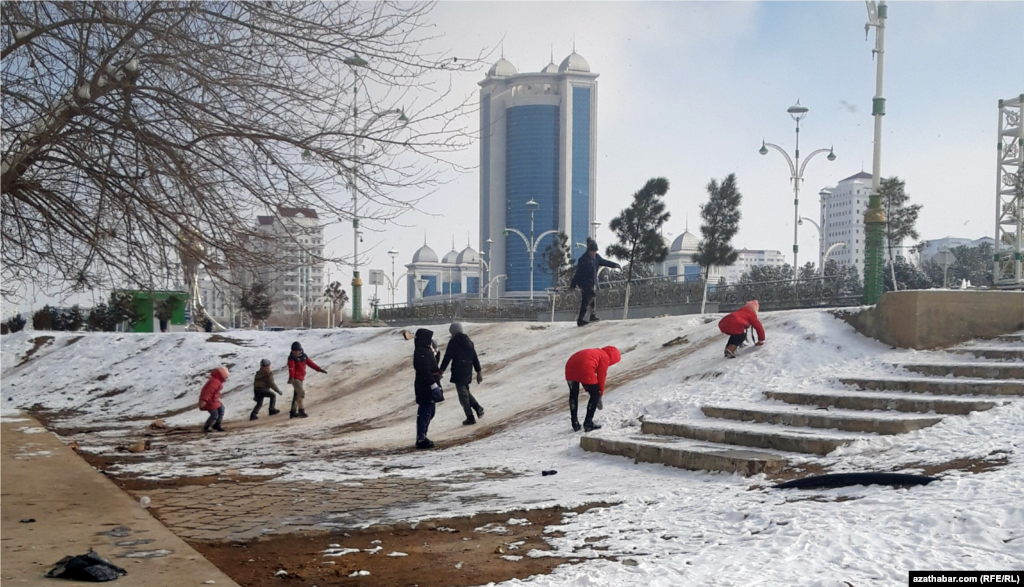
(591, 244)
(265, 363)
(455, 328)
(296, 346)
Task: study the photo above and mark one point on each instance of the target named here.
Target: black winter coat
(462, 355)
(586, 270)
(424, 361)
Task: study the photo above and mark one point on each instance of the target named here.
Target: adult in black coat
(424, 361)
(462, 355)
(586, 279)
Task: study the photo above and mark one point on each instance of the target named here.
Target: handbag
(436, 393)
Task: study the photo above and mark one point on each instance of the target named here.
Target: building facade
(537, 144)
(951, 242)
(750, 258)
(294, 237)
(456, 276)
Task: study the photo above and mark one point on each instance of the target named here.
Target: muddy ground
(439, 553)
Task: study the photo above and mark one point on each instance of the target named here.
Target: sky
(688, 90)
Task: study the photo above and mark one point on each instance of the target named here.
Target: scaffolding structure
(1009, 248)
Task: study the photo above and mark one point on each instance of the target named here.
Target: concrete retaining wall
(929, 319)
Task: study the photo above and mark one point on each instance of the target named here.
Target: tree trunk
(704, 301)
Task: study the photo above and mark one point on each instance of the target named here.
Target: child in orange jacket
(209, 399)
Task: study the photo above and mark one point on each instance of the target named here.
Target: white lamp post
(531, 243)
(393, 253)
(821, 243)
(797, 112)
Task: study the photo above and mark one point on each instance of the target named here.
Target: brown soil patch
(227, 339)
(440, 553)
(994, 460)
(37, 343)
(73, 340)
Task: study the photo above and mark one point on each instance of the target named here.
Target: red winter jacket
(738, 321)
(590, 366)
(297, 366)
(209, 397)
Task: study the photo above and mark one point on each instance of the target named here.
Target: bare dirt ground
(450, 552)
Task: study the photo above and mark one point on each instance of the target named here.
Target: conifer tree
(721, 215)
(638, 230)
(900, 219)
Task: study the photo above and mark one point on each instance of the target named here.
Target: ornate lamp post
(392, 253)
(531, 243)
(821, 243)
(797, 112)
(874, 218)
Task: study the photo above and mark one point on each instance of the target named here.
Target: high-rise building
(537, 143)
(295, 237)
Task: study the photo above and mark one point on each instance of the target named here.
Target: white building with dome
(537, 144)
(456, 276)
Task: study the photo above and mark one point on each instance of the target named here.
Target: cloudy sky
(688, 90)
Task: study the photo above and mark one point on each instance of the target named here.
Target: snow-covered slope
(686, 527)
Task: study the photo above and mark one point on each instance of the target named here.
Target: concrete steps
(686, 454)
(1016, 337)
(846, 420)
(801, 440)
(1002, 353)
(881, 401)
(975, 370)
(944, 386)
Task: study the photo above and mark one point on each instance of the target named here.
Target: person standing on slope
(262, 385)
(461, 353)
(586, 279)
(297, 362)
(736, 324)
(428, 375)
(588, 368)
(209, 399)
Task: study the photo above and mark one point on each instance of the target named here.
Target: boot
(218, 428)
(468, 422)
(573, 409)
(588, 422)
(303, 414)
(576, 425)
(582, 323)
(206, 430)
(479, 411)
(594, 318)
(590, 425)
(293, 415)
(730, 352)
(253, 417)
(275, 412)
(424, 443)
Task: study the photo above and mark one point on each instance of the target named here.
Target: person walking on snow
(428, 374)
(588, 368)
(586, 279)
(261, 386)
(297, 362)
(209, 399)
(461, 353)
(736, 324)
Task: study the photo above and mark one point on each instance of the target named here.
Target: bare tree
(133, 130)
(256, 302)
(337, 297)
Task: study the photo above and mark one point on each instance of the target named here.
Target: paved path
(76, 508)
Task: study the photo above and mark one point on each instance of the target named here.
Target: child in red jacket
(588, 368)
(735, 325)
(297, 362)
(209, 399)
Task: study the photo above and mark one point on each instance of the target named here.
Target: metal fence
(823, 292)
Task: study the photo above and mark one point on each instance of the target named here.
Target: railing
(817, 292)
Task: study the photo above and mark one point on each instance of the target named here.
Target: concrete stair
(881, 401)
(686, 454)
(976, 370)
(846, 420)
(944, 386)
(817, 422)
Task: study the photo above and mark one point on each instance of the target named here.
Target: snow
(678, 527)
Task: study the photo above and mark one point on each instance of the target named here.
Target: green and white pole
(874, 217)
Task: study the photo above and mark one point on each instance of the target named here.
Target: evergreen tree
(42, 319)
(763, 273)
(808, 271)
(721, 215)
(15, 323)
(908, 276)
(164, 309)
(75, 319)
(847, 278)
(97, 320)
(557, 261)
(638, 229)
(336, 295)
(122, 310)
(256, 303)
(900, 218)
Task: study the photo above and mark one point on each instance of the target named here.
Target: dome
(425, 255)
(501, 68)
(685, 241)
(468, 255)
(574, 62)
(550, 68)
(451, 257)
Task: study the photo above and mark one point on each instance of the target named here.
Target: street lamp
(531, 243)
(874, 218)
(485, 266)
(392, 253)
(797, 112)
(821, 243)
(355, 62)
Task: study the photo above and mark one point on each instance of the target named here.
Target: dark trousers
(467, 400)
(737, 340)
(424, 414)
(261, 394)
(574, 399)
(588, 299)
(216, 417)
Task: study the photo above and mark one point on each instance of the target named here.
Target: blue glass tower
(537, 143)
